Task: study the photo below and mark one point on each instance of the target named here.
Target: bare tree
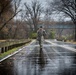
(21, 29)
(5, 6)
(25, 17)
(66, 6)
(25, 22)
(33, 12)
(16, 10)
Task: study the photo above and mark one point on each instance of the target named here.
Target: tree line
(31, 15)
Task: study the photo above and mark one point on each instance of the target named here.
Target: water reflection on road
(50, 60)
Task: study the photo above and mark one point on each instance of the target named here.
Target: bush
(33, 35)
(64, 38)
(52, 34)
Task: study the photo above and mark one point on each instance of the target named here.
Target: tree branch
(9, 20)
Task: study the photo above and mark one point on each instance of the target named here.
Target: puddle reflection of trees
(41, 62)
(42, 59)
(72, 69)
(38, 59)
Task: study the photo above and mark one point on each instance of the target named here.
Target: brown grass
(73, 42)
(2, 40)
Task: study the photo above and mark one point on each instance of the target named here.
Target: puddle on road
(40, 62)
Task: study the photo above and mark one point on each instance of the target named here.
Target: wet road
(55, 58)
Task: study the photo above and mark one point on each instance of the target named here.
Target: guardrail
(10, 44)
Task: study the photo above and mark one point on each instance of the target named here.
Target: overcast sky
(43, 2)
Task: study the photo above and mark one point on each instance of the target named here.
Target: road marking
(49, 59)
(63, 46)
(32, 42)
(10, 55)
(15, 52)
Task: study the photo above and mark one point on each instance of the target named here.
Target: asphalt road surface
(54, 58)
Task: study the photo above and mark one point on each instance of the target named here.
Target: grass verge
(3, 55)
(73, 42)
(8, 52)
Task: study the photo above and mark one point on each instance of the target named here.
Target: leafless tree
(33, 12)
(25, 22)
(5, 6)
(66, 6)
(16, 10)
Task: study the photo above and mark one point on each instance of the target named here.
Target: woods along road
(55, 58)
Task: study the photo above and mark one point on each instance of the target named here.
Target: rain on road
(55, 58)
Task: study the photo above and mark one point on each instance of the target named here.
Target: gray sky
(43, 2)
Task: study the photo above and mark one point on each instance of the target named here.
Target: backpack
(41, 33)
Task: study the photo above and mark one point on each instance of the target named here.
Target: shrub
(33, 35)
(52, 34)
(64, 38)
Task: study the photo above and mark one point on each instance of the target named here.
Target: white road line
(10, 55)
(63, 46)
(15, 52)
(54, 64)
(32, 42)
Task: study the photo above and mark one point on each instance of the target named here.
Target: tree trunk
(75, 30)
(35, 26)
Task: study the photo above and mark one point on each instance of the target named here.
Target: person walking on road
(41, 34)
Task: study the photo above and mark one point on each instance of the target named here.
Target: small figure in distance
(41, 34)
